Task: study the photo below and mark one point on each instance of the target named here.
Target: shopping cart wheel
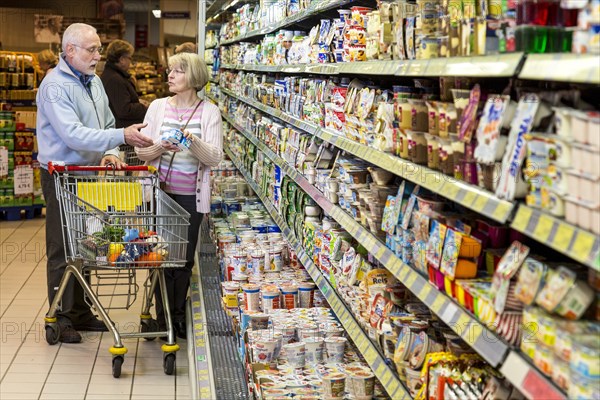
(52, 333)
(169, 363)
(149, 325)
(117, 362)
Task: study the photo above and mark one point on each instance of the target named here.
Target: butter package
(176, 137)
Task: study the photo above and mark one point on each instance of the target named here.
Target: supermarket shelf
(314, 9)
(384, 373)
(501, 65)
(525, 377)
(563, 67)
(469, 196)
(579, 244)
(481, 339)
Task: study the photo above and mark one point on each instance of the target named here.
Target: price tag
(410, 279)
(501, 212)
(23, 179)
(543, 228)
(480, 203)
(451, 191)
(583, 245)
(468, 199)
(3, 162)
(371, 355)
(522, 219)
(380, 369)
(563, 236)
(438, 303)
(424, 292)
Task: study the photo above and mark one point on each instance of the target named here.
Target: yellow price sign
(473, 334)
(410, 279)
(468, 199)
(451, 191)
(425, 291)
(583, 245)
(380, 252)
(522, 219)
(543, 228)
(371, 355)
(501, 212)
(480, 203)
(438, 303)
(563, 236)
(380, 369)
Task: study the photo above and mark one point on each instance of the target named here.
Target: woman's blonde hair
(47, 57)
(196, 73)
(118, 48)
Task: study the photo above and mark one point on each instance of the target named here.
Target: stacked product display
(443, 194)
(20, 184)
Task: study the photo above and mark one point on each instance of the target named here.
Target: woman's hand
(189, 136)
(167, 146)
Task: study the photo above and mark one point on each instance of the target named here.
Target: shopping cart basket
(119, 224)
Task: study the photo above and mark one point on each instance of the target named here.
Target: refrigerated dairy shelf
(500, 65)
(520, 372)
(469, 196)
(577, 243)
(562, 67)
(476, 334)
(372, 356)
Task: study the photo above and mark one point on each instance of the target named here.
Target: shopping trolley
(119, 224)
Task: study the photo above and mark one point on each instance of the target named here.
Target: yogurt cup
(362, 383)
(290, 296)
(295, 354)
(315, 348)
(335, 348)
(270, 299)
(334, 385)
(251, 297)
(263, 350)
(306, 294)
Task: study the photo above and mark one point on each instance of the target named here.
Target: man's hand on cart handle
(113, 160)
(134, 137)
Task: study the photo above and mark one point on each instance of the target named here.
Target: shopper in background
(122, 96)
(47, 61)
(185, 173)
(75, 125)
(186, 47)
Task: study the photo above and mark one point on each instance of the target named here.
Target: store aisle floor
(32, 369)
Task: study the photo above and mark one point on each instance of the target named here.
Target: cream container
(561, 374)
(270, 299)
(290, 296)
(583, 214)
(586, 159)
(334, 385)
(576, 301)
(306, 294)
(582, 388)
(585, 358)
(562, 122)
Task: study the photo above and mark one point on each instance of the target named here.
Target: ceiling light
(156, 13)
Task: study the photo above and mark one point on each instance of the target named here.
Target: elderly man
(75, 125)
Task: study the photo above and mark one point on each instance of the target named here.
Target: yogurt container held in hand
(177, 138)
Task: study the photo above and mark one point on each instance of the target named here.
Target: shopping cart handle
(61, 167)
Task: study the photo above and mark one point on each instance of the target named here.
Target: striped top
(206, 149)
(184, 169)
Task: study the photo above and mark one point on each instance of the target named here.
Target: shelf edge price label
(23, 180)
(3, 162)
(522, 218)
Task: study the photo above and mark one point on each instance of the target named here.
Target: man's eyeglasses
(92, 50)
(177, 71)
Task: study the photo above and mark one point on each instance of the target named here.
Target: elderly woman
(124, 101)
(47, 61)
(186, 173)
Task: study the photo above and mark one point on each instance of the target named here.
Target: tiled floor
(32, 369)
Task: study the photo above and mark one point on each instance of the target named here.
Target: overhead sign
(175, 15)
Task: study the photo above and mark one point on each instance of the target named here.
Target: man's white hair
(74, 34)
